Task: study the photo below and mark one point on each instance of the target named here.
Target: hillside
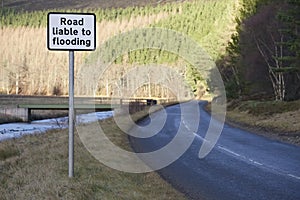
(238, 34)
(27, 67)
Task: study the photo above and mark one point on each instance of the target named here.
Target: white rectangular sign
(71, 31)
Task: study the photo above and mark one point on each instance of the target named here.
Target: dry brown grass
(278, 120)
(36, 167)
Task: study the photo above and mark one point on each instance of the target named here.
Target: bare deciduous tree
(273, 55)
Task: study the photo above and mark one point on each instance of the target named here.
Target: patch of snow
(15, 130)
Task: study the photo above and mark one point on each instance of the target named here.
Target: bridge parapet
(21, 106)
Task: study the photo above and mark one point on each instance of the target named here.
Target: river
(15, 130)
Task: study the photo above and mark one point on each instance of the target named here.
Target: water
(15, 130)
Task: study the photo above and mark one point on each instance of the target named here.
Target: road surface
(242, 165)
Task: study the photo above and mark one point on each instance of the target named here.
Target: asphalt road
(242, 165)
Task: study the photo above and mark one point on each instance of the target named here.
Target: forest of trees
(263, 57)
(255, 44)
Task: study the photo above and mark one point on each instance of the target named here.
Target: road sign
(71, 31)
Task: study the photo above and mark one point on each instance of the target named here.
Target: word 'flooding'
(75, 41)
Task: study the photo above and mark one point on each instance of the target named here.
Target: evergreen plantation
(27, 67)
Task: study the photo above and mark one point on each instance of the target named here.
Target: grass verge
(36, 167)
(274, 119)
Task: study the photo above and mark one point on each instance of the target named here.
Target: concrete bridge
(23, 106)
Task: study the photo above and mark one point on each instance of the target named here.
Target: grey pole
(71, 114)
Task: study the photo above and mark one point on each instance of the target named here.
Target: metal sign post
(71, 113)
(71, 32)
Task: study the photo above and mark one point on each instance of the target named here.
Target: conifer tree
(290, 44)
